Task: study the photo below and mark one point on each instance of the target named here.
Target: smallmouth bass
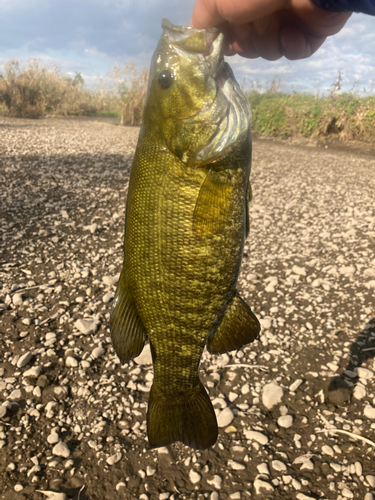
(185, 226)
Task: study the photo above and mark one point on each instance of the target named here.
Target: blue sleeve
(365, 6)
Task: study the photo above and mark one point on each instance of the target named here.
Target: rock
(359, 392)
(17, 299)
(278, 466)
(256, 436)
(368, 496)
(347, 270)
(337, 391)
(53, 438)
(107, 297)
(235, 465)
(150, 471)
(371, 480)
(301, 271)
(262, 487)
(3, 411)
(293, 387)
(86, 326)
(113, 459)
(33, 372)
(18, 487)
(272, 395)
(345, 492)
(15, 395)
(365, 373)
(328, 450)
(285, 421)
(194, 477)
(61, 450)
(97, 352)
(302, 496)
(215, 482)
(111, 280)
(71, 362)
(225, 417)
(265, 323)
(24, 359)
(369, 412)
(145, 357)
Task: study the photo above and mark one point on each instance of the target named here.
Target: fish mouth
(230, 111)
(209, 43)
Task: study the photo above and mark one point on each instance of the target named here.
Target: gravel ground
(296, 409)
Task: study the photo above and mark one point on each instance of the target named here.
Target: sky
(91, 36)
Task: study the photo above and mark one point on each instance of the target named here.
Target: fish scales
(186, 217)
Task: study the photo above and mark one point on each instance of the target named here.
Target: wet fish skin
(186, 222)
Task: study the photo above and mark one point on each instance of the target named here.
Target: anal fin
(128, 334)
(238, 328)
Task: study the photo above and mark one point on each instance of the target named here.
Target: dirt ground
(296, 408)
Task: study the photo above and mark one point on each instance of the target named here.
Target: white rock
(71, 362)
(369, 272)
(18, 487)
(33, 372)
(371, 480)
(347, 270)
(272, 395)
(111, 280)
(370, 284)
(301, 271)
(113, 459)
(302, 496)
(345, 492)
(262, 487)
(285, 421)
(225, 417)
(358, 469)
(256, 436)
(365, 373)
(107, 297)
(265, 323)
(145, 357)
(53, 438)
(245, 389)
(307, 465)
(24, 359)
(328, 450)
(368, 496)
(263, 469)
(150, 471)
(52, 495)
(278, 466)
(235, 465)
(369, 412)
(97, 352)
(61, 450)
(215, 482)
(293, 387)
(3, 411)
(17, 299)
(214, 495)
(194, 477)
(15, 395)
(359, 391)
(86, 326)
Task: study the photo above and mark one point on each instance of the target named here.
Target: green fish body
(186, 223)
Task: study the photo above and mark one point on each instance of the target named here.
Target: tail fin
(189, 418)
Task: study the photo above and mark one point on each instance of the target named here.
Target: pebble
(3, 411)
(71, 362)
(110, 280)
(302, 496)
(328, 450)
(214, 495)
(24, 359)
(345, 492)
(107, 297)
(150, 471)
(86, 326)
(194, 477)
(145, 357)
(263, 469)
(293, 387)
(359, 391)
(272, 395)
(365, 373)
(215, 482)
(301, 271)
(369, 412)
(285, 421)
(369, 496)
(18, 487)
(278, 466)
(97, 352)
(225, 417)
(235, 465)
(33, 372)
(358, 469)
(17, 299)
(61, 450)
(53, 438)
(371, 480)
(113, 459)
(256, 436)
(262, 487)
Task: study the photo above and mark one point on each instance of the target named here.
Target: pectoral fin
(128, 334)
(212, 206)
(238, 328)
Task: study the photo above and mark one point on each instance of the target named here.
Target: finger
(297, 44)
(209, 13)
(260, 40)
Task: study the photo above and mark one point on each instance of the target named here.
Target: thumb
(205, 15)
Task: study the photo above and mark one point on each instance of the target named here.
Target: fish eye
(165, 79)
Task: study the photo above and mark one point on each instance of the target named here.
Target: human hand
(269, 28)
